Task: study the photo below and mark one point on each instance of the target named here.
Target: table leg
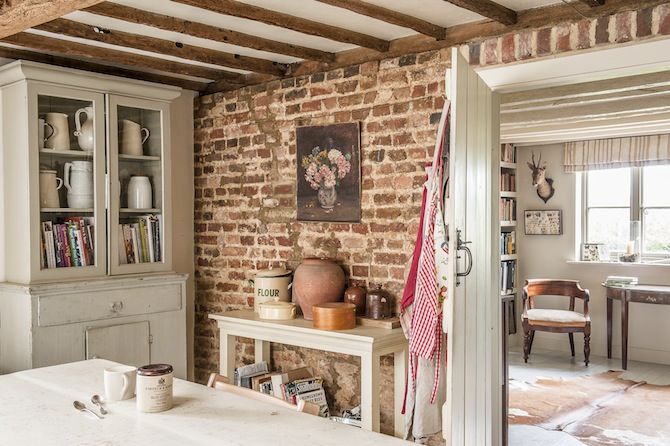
(227, 355)
(624, 332)
(370, 391)
(262, 351)
(399, 380)
(609, 328)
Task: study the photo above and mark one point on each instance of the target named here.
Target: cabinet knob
(116, 306)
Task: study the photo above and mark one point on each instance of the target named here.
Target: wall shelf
(77, 154)
(507, 194)
(506, 165)
(139, 157)
(139, 211)
(67, 210)
(505, 257)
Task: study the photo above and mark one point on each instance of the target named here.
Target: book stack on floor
(621, 281)
(68, 243)
(140, 241)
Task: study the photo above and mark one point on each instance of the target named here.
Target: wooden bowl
(334, 316)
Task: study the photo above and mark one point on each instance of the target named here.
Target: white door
(472, 413)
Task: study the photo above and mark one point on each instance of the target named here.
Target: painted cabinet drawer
(90, 305)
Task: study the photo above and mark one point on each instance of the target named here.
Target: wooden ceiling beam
(113, 37)
(167, 23)
(305, 26)
(69, 48)
(593, 3)
(389, 16)
(15, 53)
(487, 8)
(19, 15)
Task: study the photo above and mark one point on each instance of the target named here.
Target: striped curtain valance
(634, 151)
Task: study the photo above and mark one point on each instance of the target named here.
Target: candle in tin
(154, 388)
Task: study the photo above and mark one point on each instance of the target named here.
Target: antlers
(539, 161)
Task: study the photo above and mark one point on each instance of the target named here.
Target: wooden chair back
(220, 382)
(554, 287)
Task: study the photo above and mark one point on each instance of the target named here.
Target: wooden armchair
(220, 382)
(555, 321)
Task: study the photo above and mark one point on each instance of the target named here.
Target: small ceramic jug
(84, 132)
(139, 193)
(43, 128)
(78, 180)
(133, 136)
(49, 185)
(60, 138)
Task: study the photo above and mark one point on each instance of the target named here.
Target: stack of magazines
(621, 281)
(68, 243)
(140, 241)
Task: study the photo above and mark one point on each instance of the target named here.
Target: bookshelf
(508, 226)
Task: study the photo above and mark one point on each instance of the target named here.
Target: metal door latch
(462, 246)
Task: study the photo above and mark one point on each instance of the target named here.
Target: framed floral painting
(329, 173)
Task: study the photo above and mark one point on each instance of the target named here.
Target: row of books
(507, 276)
(508, 182)
(68, 243)
(508, 243)
(140, 241)
(508, 153)
(507, 209)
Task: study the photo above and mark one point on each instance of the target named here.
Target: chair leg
(572, 344)
(526, 343)
(532, 338)
(587, 344)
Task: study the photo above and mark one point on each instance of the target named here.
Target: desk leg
(609, 328)
(262, 351)
(370, 391)
(399, 379)
(624, 333)
(227, 355)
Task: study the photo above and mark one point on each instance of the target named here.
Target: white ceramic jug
(139, 193)
(133, 136)
(79, 184)
(84, 132)
(49, 185)
(42, 128)
(60, 138)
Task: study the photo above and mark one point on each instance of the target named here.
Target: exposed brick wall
(245, 174)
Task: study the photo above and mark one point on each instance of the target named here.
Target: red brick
(584, 34)
(563, 38)
(544, 41)
(623, 22)
(663, 19)
(644, 21)
(508, 48)
(490, 55)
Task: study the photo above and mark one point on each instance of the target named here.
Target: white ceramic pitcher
(133, 137)
(78, 180)
(84, 132)
(60, 138)
(42, 128)
(49, 185)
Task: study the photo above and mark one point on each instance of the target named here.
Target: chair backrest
(220, 382)
(554, 287)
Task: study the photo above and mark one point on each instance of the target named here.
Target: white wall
(548, 257)
(183, 195)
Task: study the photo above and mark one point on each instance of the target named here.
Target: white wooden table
(36, 409)
(368, 343)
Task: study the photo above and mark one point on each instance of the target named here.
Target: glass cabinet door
(67, 143)
(140, 222)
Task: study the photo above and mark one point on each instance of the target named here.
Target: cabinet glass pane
(66, 146)
(140, 170)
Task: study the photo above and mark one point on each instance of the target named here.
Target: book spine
(134, 242)
(150, 238)
(74, 254)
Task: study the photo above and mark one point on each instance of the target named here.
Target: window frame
(636, 212)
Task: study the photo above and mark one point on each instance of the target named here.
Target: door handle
(461, 245)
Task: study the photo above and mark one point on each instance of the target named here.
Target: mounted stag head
(544, 186)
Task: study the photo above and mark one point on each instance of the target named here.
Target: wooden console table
(368, 343)
(646, 294)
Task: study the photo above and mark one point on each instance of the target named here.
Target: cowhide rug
(598, 409)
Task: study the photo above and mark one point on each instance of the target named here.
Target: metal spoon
(81, 407)
(95, 399)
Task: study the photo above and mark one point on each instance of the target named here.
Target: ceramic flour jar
(154, 388)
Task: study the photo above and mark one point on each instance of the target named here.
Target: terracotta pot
(317, 281)
(356, 295)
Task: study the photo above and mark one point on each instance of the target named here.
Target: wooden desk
(368, 343)
(646, 294)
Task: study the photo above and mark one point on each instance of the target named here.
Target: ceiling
(215, 45)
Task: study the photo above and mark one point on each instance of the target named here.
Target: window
(616, 199)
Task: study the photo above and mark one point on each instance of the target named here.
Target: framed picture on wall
(329, 173)
(543, 222)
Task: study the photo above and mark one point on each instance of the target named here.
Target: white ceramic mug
(60, 138)
(49, 185)
(133, 136)
(120, 382)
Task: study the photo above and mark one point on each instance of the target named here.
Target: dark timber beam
(389, 16)
(488, 9)
(593, 3)
(166, 47)
(91, 52)
(305, 26)
(15, 53)
(174, 24)
(19, 15)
